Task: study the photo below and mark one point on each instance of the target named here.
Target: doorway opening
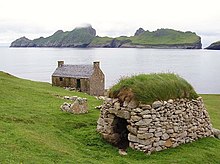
(78, 84)
(121, 129)
(61, 79)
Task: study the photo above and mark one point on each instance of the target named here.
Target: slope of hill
(214, 46)
(79, 37)
(34, 130)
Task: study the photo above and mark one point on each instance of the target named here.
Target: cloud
(21, 27)
(11, 30)
(111, 18)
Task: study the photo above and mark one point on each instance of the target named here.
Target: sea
(201, 68)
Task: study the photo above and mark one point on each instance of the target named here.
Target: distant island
(85, 37)
(214, 46)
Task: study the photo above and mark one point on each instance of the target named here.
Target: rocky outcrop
(22, 42)
(154, 127)
(139, 32)
(118, 43)
(86, 37)
(214, 46)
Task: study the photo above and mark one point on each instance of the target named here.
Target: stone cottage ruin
(85, 78)
(153, 127)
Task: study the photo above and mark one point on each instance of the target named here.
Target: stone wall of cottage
(85, 85)
(155, 127)
(71, 82)
(63, 81)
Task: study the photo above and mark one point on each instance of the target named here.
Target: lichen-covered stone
(135, 118)
(165, 136)
(124, 114)
(145, 136)
(143, 122)
(132, 104)
(132, 129)
(216, 133)
(157, 104)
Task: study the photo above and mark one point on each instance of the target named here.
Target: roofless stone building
(85, 78)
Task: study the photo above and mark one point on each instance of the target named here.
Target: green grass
(212, 103)
(68, 38)
(158, 37)
(148, 88)
(122, 38)
(165, 37)
(56, 37)
(101, 40)
(34, 130)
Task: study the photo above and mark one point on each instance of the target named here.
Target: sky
(38, 18)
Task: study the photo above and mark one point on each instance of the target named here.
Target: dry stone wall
(155, 127)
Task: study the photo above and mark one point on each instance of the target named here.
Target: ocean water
(199, 67)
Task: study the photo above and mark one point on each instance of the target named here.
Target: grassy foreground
(34, 130)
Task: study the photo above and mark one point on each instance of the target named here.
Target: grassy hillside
(165, 36)
(159, 37)
(86, 37)
(77, 37)
(57, 37)
(34, 130)
(101, 40)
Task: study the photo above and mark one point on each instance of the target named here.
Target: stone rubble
(98, 107)
(70, 88)
(73, 98)
(158, 126)
(78, 106)
(216, 133)
(100, 97)
(122, 152)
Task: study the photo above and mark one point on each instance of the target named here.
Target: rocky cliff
(86, 37)
(139, 32)
(22, 42)
(214, 46)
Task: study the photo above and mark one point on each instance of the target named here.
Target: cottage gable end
(97, 80)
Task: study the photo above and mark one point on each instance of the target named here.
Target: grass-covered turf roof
(147, 88)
